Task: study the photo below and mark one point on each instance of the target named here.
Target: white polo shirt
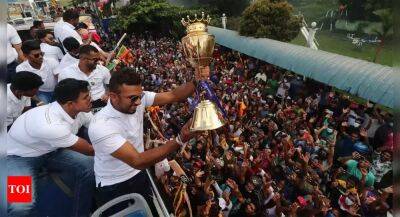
(97, 79)
(51, 51)
(44, 129)
(108, 131)
(46, 72)
(15, 106)
(63, 30)
(66, 61)
(12, 39)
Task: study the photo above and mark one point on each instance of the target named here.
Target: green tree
(272, 19)
(385, 30)
(364, 9)
(231, 8)
(154, 16)
(371, 6)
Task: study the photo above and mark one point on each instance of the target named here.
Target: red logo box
(19, 189)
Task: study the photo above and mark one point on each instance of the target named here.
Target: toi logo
(19, 189)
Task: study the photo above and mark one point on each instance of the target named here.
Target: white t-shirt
(282, 89)
(108, 131)
(44, 129)
(63, 30)
(51, 51)
(46, 72)
(66, 61)
(12, 39)
(15, 106)
(97, 79)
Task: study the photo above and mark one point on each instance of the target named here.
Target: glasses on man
(37, 55)
(135, 97)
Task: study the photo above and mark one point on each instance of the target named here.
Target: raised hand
(363, 132)
(185, 133)
(364, 172)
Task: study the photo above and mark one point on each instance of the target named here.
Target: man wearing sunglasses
(116, 133)
(49, 45)
(44, 67)
(89, 70)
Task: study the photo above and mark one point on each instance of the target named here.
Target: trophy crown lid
(205, 20)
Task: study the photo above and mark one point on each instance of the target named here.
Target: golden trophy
(198, 47)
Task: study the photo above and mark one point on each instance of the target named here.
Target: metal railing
(160, 201)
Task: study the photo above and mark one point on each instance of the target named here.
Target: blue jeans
(81, 179)
(46, 97)
(140, 184)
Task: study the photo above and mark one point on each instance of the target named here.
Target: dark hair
(70, 14)
(37, 23)
(40, 34)
(71, 43)
(352, 130)
(25, 80)
(306, 212)
(214, 210)
(82, 26)
(126, 76)
(69, 90)
(87, 49)
(30, 45)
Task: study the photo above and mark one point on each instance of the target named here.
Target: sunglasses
(37, 55)
(135, 98)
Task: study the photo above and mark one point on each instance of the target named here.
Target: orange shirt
(242, 108)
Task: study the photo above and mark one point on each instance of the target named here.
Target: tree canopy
(385, 30)
(231, 8)
(364, 9)
(272, 19)
(155, 16)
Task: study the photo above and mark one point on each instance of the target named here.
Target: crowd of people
(290, 146)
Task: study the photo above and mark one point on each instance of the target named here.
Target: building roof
(364, 79)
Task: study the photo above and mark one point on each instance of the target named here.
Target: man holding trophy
(198, 47)
(116, 131)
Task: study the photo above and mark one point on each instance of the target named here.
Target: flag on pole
(121, 50)
(127, 57)
(124, 55)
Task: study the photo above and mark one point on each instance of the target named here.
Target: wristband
(179, 140)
